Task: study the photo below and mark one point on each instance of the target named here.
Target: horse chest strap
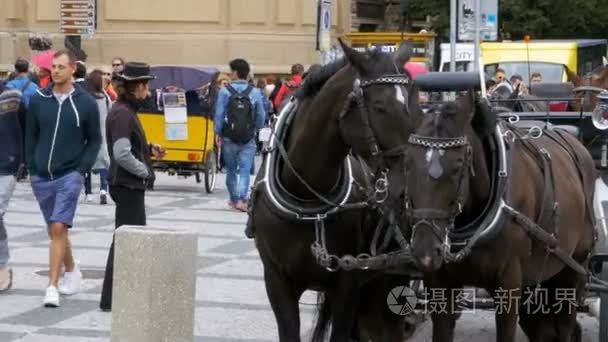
(549, 240)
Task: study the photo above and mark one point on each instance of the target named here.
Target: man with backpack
(22, 81)
(239, 113)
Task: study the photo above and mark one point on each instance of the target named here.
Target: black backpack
(240, 117)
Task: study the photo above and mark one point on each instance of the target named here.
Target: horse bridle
(428, 217)
(379, 193)
(356, 100)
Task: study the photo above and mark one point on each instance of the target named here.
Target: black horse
(311, 192)
(493, 207)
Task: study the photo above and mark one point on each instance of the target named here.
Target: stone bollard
(154, 285)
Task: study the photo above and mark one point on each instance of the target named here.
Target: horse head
(447, 176)
(593, 83)
(380, 112)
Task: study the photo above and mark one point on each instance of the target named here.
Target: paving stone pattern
(231, 302)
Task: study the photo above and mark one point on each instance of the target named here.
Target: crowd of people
(78, 124)
(515, 82)
(62, 124)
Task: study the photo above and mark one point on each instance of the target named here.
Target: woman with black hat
(130, 163)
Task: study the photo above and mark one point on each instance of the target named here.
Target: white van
(465, 55)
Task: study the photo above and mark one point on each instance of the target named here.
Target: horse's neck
(316, 152)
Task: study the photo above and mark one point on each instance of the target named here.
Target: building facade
(271, 34)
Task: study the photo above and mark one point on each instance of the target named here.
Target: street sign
(324, 30)
(488, 21)
(78, 17)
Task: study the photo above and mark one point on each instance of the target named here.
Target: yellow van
(423, 44)
(546, 57)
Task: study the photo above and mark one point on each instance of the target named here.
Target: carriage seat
(553, 90)
(542, 124)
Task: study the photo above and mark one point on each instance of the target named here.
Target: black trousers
(130, 210)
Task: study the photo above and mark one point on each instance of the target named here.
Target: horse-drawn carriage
(361, 183)
(178, 116)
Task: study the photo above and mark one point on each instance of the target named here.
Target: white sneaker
(88, 198)
(51, 299)
(71, 282)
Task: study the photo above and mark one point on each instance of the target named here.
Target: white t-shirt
(62, 97)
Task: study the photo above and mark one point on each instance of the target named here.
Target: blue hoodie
(61, 138)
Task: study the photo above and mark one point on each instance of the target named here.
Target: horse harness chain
(533, 229)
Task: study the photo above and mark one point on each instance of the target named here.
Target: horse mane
(381, 63)
(317, 79)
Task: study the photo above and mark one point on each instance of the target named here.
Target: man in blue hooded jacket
(63, 139)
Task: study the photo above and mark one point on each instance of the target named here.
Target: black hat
(136, 71)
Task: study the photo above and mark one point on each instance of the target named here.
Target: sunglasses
(115, 65)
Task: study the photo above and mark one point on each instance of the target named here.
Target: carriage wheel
(604, 307)
(210, 172)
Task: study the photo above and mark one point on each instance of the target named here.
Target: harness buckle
(545, 153)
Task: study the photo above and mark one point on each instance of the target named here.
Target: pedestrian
(80, 73)
(287, 88)
(62, 142)
(239, 114)
(130, 159)
(22, 81)
(107, 83)
(94, 85)
(118, 65)
(12, 116)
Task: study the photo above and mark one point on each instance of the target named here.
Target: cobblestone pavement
(231, 303)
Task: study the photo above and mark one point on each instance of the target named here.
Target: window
(551, 72)
(460, 66)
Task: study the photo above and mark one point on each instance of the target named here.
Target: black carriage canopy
(449, 81)
(195, 82)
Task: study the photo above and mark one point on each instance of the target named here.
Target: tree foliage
(542, 19)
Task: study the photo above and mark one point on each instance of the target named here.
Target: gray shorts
(58, 198)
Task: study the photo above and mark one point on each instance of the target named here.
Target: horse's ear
(356, 59)
(483, 120)
(468, 104)
(403, 54)
(573, 77)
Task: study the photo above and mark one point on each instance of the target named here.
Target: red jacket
(295, 82)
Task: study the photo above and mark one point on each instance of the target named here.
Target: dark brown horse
(358, 104)
(595, 82)
(450, 184)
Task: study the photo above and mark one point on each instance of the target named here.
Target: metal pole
(477, 33)
(453, 28)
